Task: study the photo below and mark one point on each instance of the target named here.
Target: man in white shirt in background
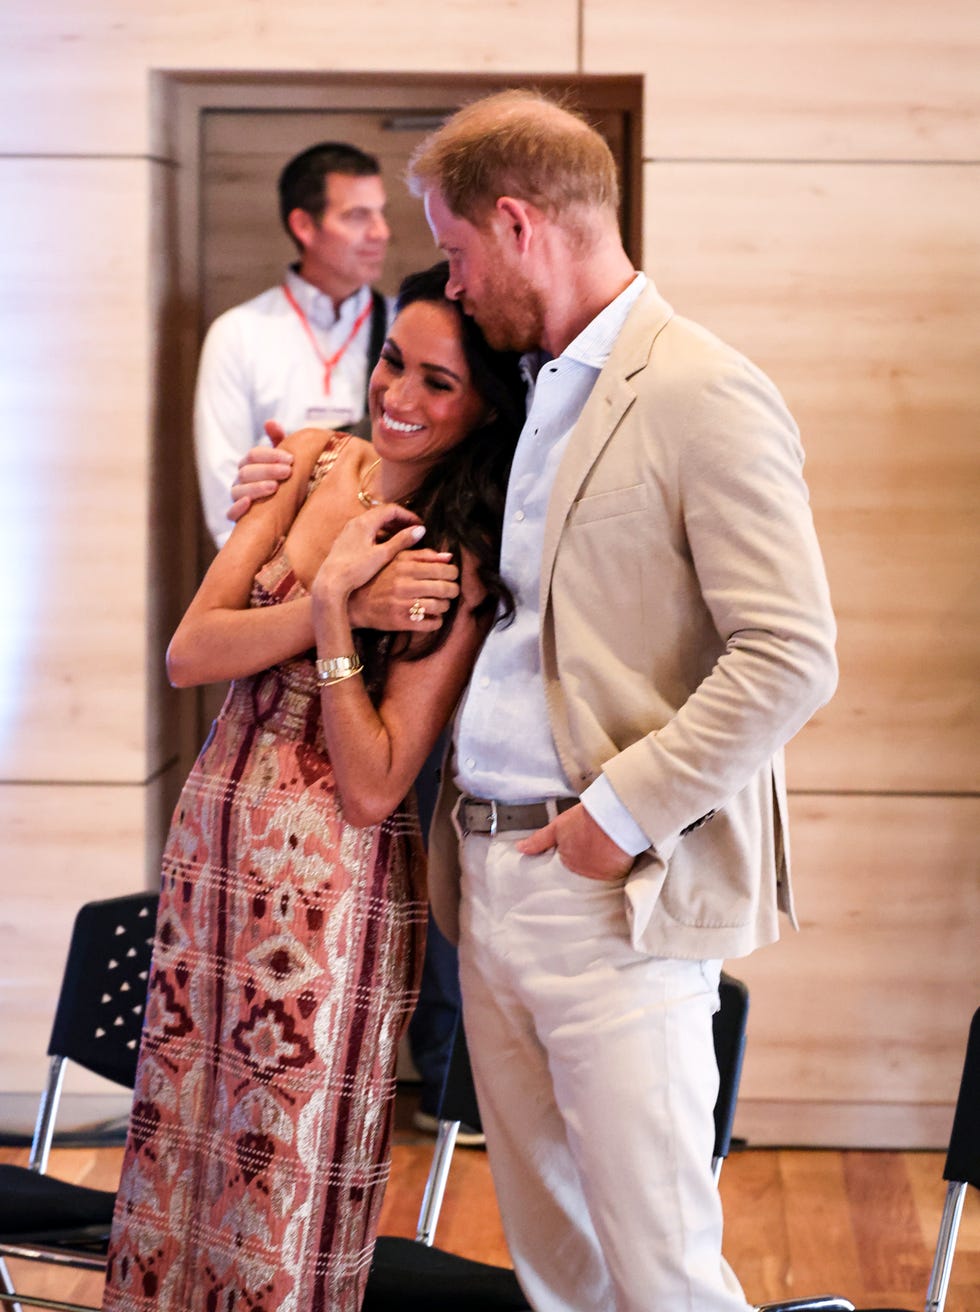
(299, 354)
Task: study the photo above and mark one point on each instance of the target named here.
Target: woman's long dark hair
(461, 500)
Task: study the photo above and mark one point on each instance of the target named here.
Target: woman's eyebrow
(441, 369)
(426, 364)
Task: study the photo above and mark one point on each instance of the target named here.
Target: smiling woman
(291, 915)
(420, 396)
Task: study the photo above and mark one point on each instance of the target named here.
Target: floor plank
(857, 1223)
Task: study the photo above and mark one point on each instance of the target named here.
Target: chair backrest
(963, 1157)
(99, 1016)
(730, 1023)
(730, 1026)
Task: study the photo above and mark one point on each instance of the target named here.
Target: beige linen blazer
(686, 635)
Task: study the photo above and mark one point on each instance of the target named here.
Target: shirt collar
(318, 306)
(595, 342)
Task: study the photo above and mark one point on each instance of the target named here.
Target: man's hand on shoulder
(583, 846)
(414, 579)
(260, 471)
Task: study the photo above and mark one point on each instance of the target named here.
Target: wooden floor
(862, 1224)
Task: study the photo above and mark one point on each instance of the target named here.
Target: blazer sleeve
(750, 534)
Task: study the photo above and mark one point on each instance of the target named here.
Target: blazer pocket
(608, 505)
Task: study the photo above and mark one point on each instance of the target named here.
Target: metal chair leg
(942, 1264)
(7, 1288)
(435, 1186)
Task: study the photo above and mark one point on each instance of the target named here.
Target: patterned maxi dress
(285, 968)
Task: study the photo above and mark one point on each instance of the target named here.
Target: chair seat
(406, 1274)
(41, 1209)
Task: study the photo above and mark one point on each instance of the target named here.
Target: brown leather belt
(476, 816)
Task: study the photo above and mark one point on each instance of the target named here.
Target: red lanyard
(328, 363)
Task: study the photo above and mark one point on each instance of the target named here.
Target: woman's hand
(357, 556)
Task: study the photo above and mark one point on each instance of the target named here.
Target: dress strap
(326, 460)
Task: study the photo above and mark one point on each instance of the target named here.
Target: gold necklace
(363, 495)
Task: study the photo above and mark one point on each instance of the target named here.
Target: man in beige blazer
(616, 784)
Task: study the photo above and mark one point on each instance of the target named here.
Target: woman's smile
(398, 425)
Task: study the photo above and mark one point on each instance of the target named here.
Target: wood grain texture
(77, 347)
(75, 78)
(858, 1224)
(866, 1011)
(858, 290)
(836, 80)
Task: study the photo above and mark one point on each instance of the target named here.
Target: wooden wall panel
(858, 1024)
(855, 286)
(834, 80)
(858, 289)
(74, 77)
(63, 845)
(76, 346)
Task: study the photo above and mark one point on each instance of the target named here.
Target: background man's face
(346, 249)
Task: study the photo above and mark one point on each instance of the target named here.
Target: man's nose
(379, 228)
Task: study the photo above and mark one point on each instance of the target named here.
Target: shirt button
(519, 516)
(485, 682)
(471, 762)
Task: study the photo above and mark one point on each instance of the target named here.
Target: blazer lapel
(608, 402)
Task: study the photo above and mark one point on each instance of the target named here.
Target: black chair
(411, 1274)
(97, 1024)
(962, 1168)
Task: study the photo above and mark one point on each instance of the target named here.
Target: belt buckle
(493, 818)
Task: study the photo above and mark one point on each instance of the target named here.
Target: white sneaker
(466, 1136)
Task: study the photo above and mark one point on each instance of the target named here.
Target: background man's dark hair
(301, 181)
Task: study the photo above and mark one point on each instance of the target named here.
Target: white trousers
(595, 1071)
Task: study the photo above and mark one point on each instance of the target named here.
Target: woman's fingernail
(417, 532)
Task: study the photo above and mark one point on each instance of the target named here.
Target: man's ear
(302, 225)
(516, 219)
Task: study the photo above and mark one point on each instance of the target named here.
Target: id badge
(329, 416)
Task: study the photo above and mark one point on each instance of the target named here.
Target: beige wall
(808, 194)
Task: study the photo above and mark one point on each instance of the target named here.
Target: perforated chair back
(97, 1023)
(99, 1015)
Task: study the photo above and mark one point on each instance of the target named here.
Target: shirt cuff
(603, 805)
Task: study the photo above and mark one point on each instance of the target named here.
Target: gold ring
(416, 612)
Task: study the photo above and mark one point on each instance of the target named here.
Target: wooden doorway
(217, 238)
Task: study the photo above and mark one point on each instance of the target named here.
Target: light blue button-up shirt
(504, 746)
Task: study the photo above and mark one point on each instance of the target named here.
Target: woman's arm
(376, 753)
(383, 601)
(220, 636)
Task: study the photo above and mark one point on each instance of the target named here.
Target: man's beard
(510, 316)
